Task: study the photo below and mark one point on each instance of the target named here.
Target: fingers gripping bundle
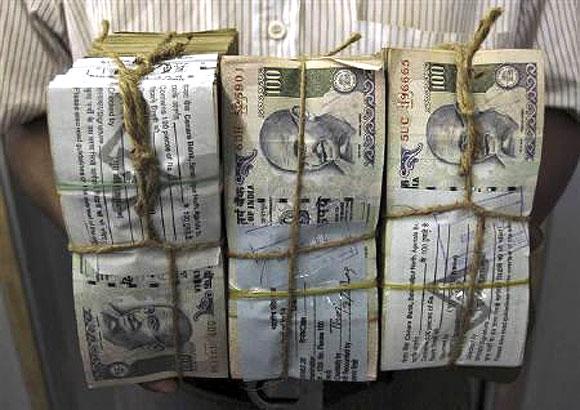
(137, 170)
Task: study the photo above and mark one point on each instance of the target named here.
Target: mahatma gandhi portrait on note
(145, 326)
(327, 141)
(447, 135)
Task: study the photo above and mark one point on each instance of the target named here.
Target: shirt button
(276, 30)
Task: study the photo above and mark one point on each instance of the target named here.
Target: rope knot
(464, 54)
(467, 111)
(144, 157)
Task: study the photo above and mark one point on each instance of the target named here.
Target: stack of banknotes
(224, 41)
(370, 151)
(426, 254)
(123, 299)
(333, 336)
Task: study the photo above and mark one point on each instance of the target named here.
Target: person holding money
(40, 39)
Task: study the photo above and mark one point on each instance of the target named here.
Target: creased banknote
(427, 257)
(96, 179)
(427, 134)
(332, 336)
(123, 299)
(125, 316)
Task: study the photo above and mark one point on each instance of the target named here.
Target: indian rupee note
(427, 257)
(96, 181)
(124, 313)
(95, 176)
(332, 336)
(427, 134)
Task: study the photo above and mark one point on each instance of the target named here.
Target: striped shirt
(40, 38)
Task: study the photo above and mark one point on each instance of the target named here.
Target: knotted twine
(146, 165)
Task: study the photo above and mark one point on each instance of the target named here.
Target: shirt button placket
(277, 30)
(281, 18)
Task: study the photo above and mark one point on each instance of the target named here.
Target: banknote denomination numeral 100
(273, 83)
(437, 77)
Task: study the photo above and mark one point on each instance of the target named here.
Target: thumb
(161, 386)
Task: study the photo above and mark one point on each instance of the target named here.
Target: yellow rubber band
(455, 286)
(237, 293)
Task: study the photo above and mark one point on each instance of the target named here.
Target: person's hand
(161, 386)
(27, 149)
(560, 152)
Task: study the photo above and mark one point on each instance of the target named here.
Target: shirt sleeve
(552, 26)
(33, 50)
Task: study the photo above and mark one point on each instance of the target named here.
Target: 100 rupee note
(427, 258)
(332, 336)
(124, 313)
(427, 134)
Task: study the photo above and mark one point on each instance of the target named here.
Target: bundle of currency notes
(224, 41)
(123, 299)
(328, 336)
(354, 130)
(427, 257)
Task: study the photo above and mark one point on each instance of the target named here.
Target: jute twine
(147, 170)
